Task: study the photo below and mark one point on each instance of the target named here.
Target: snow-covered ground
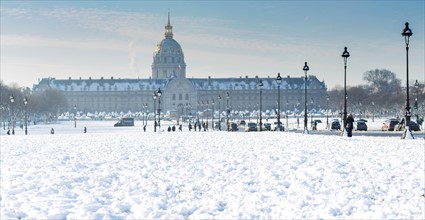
(124, 173)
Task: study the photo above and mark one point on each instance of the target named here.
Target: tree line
(382, 94)
(43, 106)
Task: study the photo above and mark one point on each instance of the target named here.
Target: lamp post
(228, 111)
(406, 34)
(26, 120)
(260, 86)
(219, 113)
(345, 56)
(75, 116)
(327, 111)
(373, 111)
(145, 113)
(287, 116)
(311, 112)
(278, 82)
(159, 93)
(12, 100)
(207, 105)
(416, 104)
(212, 119)
(154, 111)
(203, 111)
(305, 68)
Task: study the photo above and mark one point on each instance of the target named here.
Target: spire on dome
(168, 28)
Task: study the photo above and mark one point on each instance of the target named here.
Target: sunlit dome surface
(168, 46)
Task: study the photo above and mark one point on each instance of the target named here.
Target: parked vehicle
(267, 126)
(280, 127)
(413, 126)
(251, 126)
(125, 122)
(234, 127)
(242, 122)
(389, 124)
(335, 125)
(360, 126)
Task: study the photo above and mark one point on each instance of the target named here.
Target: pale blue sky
(75, 39)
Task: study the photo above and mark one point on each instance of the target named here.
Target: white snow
(124, 173)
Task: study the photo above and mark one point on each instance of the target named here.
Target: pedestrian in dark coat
(144, 128)
(52, 131)
(85, 130)
(169, 129)
(190, 127)
(180, 127)
(199, 126)
(349, 125)
(174, 128)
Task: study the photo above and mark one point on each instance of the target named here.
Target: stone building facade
(184, 95)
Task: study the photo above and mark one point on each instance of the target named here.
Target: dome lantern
(168, 28)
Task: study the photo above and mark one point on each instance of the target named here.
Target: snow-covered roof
(101, 84)
(251, 83)
(153, 84)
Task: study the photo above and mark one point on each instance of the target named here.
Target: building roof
(153, 84)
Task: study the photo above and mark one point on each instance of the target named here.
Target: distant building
(183, 95)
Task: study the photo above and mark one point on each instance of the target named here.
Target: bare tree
(382, 81)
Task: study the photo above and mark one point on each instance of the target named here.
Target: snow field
(181, 175)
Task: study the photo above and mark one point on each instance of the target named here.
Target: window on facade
(172, 59)
(187, 96)
(180, 96)
(174, 97)
(165, 59)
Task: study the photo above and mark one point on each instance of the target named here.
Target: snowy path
(210, 175)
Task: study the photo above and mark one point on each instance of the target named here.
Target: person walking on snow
(349, 125)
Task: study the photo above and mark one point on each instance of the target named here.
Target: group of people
(198, 125)
(174, 128)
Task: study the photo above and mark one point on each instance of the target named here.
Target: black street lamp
(219, 112)
(203, 111)
(145, 113)
(406, 34)
(287, 115)
(154, 111)
(207, 105)
(305, 68)
(260, 86)
(212, 119)
(75, 116)
(416, 105)
(25, 114)
(345, 56)
(327, 111)
(12, 100)
(159, 93)
(228, 111)
(311, 112)
(278, 82)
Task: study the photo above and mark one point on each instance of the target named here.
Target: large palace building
(183, 95)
